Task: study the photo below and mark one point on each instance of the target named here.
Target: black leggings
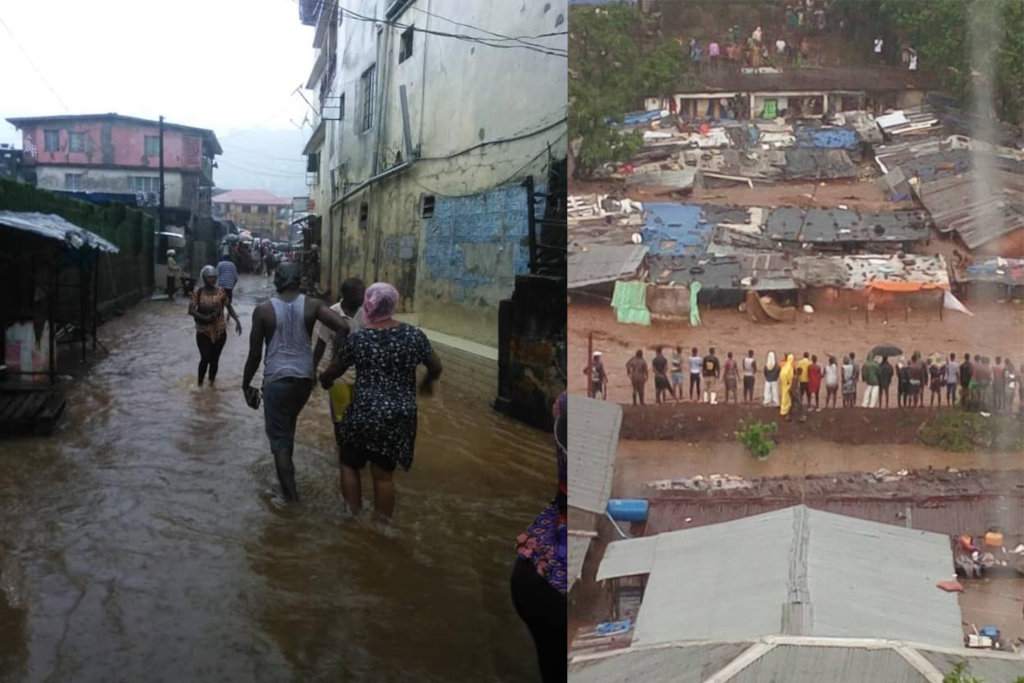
(543, 609)
(209, 354)
(695, 384)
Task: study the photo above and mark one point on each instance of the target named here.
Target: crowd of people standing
(972, 381)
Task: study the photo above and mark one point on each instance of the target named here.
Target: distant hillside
(268, 160)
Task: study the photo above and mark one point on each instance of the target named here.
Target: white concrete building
(431, 115)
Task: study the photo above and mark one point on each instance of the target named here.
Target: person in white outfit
(771, 381)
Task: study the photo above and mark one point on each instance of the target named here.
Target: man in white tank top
(284, 325)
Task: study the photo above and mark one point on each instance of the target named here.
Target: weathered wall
(116, 180)
(111, 144)
(452, 88)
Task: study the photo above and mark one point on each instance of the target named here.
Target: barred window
(367, 87)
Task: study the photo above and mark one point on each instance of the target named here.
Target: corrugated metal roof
(57, 228)
(578, 547)
(979, 211)
(251, 197)
(685, 664)
(604, 263)
(682, 179)
(798, 664)
(856, 272)
(838, 225)
(593, 446)
(631, 557)
(988, 669)
(780, 659)
(702, 579)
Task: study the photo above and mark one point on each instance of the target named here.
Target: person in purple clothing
(539, 577)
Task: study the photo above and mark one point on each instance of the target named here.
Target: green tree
(939, 31)
(610, 73)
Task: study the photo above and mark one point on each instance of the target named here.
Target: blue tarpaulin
(641, 117)
(676, 230)
(826, 138)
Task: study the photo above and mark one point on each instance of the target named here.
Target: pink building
(117, 154)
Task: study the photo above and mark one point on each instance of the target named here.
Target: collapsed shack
(993, 279)
(872, 282)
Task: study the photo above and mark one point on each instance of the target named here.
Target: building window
(152, 145)
(364, 215)
(246, 208)
(144, 183)
(76, 142)
(263, 209)
(51, 140)
(427, 206)
(72, 181)
(405, 48)
(367, 86)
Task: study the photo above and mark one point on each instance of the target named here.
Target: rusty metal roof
(600, 263)
(979, 211)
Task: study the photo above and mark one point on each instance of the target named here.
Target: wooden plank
(30, 408)
(53, 407)
(5, 399)
(12, 407)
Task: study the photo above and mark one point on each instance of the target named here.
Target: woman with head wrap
(771, 381)
(379, 426)
(207, 308)
(539, 578)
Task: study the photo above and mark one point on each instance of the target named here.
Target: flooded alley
(141, 541)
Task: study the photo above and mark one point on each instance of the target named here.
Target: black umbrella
(886, 350)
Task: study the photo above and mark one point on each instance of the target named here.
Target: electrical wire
(34, 67)
(519, 39)
(498, 141)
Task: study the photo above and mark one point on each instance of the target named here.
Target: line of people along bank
(974, 382)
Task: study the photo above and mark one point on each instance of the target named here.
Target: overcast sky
(228, 65)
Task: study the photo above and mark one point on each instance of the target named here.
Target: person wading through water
(379, 426)
(539, 579)
(207, 309)
(284, 325)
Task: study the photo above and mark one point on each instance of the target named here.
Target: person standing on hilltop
(712, 372)
(885, 374)
(677, 374)
(952, 373)
(661, 383)
(695, 362)
(871, 380)
(966, 377)
(849, 383)
(731, 375)
(598, 378)
(814, 375)
(749, 371)
(636, 370)
(803, 378)
(771, 381)
(831, 381)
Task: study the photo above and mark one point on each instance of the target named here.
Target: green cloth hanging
(630, 303)
(694, 309)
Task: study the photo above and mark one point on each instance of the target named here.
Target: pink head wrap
(379, 302)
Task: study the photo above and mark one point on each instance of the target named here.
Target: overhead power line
(34, 67)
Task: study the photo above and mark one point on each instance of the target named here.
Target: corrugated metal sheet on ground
(819, 164)
(54, 227)
(768, 271)
(593, 445)
(604, 263)
(578, 547)
(702, 578)
(794, 224)
(943, 515)
(685, 664)
(675, 229)
(680, 180)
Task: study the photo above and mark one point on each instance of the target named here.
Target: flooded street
(140, 542)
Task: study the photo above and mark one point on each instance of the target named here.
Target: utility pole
(160, 220)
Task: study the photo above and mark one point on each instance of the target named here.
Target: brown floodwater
(142, 542)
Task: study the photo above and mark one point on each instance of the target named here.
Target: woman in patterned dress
(379, 426)
(538, 580)
(207, 308)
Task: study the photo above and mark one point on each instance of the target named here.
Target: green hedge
(130, 229)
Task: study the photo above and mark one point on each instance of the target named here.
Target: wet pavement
(141, 542)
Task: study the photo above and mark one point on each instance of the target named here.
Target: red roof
(251, 197)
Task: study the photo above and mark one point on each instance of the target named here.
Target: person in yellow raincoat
(786, 377)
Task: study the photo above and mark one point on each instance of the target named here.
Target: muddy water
(142, 542)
